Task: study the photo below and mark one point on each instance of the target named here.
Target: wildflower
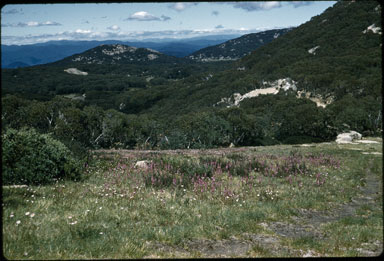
(11, 215)
(101, 233)
(32, 215)
(18, 222)
(73, 223)
(100, 207)
(27, 213)
(70, 217)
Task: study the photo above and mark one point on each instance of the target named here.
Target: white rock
(313, 50)
(152, 56)
(75, 71)
(367, 141)
(348, 137)
(271, 88)
(143, 164)
(375, 29)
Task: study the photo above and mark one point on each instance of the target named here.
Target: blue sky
(33, 23)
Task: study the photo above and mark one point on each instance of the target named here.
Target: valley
(267, 144)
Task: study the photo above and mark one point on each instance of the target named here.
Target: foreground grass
(126, 212)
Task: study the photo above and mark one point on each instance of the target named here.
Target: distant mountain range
(236, 48)
(13, 56)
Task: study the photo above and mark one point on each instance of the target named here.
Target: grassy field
(278, 201)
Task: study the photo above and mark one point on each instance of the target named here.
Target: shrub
(32, 158)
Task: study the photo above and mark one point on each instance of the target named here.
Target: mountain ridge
(51, 51)
(118, 54)
(237, 48)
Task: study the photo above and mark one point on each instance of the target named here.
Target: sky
(36, 23)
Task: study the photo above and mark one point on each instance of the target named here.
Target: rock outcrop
(348, 137)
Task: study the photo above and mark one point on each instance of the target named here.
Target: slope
(236, 48)
(335, 54)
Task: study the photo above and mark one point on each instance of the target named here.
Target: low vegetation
(280, 201)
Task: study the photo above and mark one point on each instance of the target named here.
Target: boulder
(143, 164)
(348, 137)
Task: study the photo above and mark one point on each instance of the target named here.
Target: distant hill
(112, 54)
(236, 48)
(13, 56)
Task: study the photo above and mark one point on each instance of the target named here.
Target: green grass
(116, 214)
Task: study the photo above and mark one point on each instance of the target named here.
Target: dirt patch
(225, 248)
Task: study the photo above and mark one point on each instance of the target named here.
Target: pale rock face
(75, 71)
(348, 137)
(118, 49)
(375, 29)
(152, 56)
(313, 50)
(271, 88)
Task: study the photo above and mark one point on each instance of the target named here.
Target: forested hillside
(120, 96)
(236, 48)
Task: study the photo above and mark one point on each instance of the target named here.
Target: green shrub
(32, 158)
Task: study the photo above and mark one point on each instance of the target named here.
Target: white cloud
(266, 5)
(114, 28)
(300, 3)
(181, 6)
(81, 34)
(257, 6)
(145, 16)
(32, 24)
(80, 31)
(219, 26)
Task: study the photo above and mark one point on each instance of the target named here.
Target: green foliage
(139, 104)
(32, 158)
